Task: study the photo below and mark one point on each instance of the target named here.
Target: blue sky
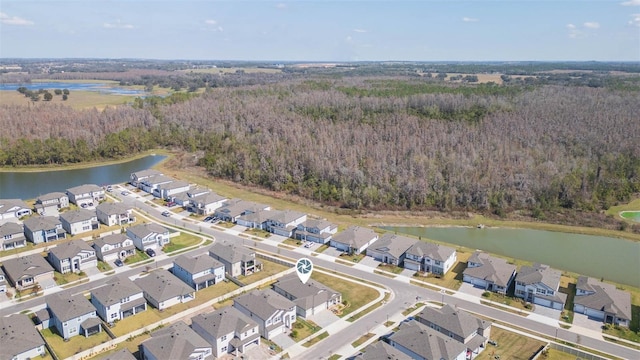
(426, 30)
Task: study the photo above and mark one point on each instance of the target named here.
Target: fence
(573, 351)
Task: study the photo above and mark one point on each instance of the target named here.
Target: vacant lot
(353, 294)
(510, 346)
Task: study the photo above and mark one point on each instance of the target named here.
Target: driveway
(331, 251)
(370, 262)
(584, 321)
(91, 271)
(277, 238)
(471, 290)
(283, 340)
(48, 283)
(324, 318)
(548, 312)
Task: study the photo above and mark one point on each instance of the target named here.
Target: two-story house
(79, 221)
(148, 236)
(199, 272)
(319, 231)
(601, 301)
(489, 272)
(283, 223)
(137, 177)
(151, 183)
(539, 284)
(115, 214)
(73, 315)
(354, 240)
(206, 204)
(227, 330)
(163, 289)
(429, 257)
(119, 298)
(461, 326)
(51, 203)
(40, 229)
(235, 208)
(72, 256)
(237, 260)
(12, 236)
(177, 341)
(310, 298)
(255, 220)
(26, 271)
(380, 350)
(391, 249)
(166, 191)
(186, 198)
(19, 339)
(13, 209)
(86, 195)
(422, 342)
(112, 247)
(273, 312)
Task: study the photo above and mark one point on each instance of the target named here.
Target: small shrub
(486, 294)
(294, 333)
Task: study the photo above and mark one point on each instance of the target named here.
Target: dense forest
(372, 142)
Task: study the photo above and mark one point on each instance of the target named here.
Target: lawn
(103, 266)
(370, 308)
(292, 242)
(76, 344)
(137, 257)
(303, 328)
(351, 258)
(363, 339)
(77, 100)
(181, 241)
(510, 346)
(568, 287)
(69, 277)
(258, 232)
(553, 354)
(412, 309)
(316, 339)
(506, 300)
(390, 268)
(354, 295)
(453, 278)
(268, 268)
(322, 248)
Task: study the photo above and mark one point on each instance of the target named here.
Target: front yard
(354, 295)
(69, 277)
(137, 257)
(453, 278)
(510, 346)
(303, 328)
(76, 344)
(181, 241)
(268, 268)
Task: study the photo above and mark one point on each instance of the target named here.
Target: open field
(223, 70)
(77, 100)
(510, 346)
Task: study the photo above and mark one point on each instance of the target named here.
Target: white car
(125, 193)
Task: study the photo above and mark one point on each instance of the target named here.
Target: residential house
(601, 301)
(235, 208)
(177, 341)
(539, 284)
(255, 220)
(72, 256)
(354, 240)
(42, 319)
(73, 315)
(112, 247)
(26, 271)
(40, 229)
(310, 298)
(13, 209)
(86, 195)
(237, 260)
(461, 326)
(151, 183)
(148, 236)
(429, 257)
(283, 223)
(421, 342)
(391, 248)
(206, 204)
(319, 231)
(79, 221)
(119, 298)
(227, 330)
(186, 198)
(112, 214)
(273, 312)
(51, 203)
(19, 339)
(489, 272)
(166, 191)
(3, 282)
(199, 272)
(137, 177)
(380, 350)
(123, 354)
(12, 236)
(163, 289)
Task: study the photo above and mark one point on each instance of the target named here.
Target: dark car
(150, 252)
(208, 218)
(118, 262)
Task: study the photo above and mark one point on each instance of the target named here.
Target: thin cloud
(213, 25)
(14, 20)
(635, 20)
(631, 3)
(118, 25)
(210, 22)
(592, 25)
(359, 30)
(574, 33)
(468, 19)
(281, 6)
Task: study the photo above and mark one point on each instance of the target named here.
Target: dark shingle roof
(494, 269)
(605, 297)
(115, 289)
(382, 351)
(393, 244)
(177, 341)
(51, 196)
(10, 229)
(143, 230)
(39, 223)
(70, 249)
(305, 295)
(78, 215)
(66, 306)
(161, 285)
(17, 335)
(26, 266)
(458, 322)
(83, 189)
(264, 303)
(198, 263)
(112, 239)
(539, 273)
(231, 253)
(427, 342)
(113, 208)
(355, 236)
(123, 354)
(431, 250)
(224, 321)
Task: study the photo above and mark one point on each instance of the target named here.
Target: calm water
(97, 87)
(29, 185)
(601, 257)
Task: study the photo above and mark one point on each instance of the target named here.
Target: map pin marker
(304, 267)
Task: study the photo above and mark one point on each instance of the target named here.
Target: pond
(29, 185)
(597, 256)
(101, 87)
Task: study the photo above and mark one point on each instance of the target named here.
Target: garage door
(543, 302)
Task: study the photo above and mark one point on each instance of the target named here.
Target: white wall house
(112, 247)
(136, 178)
(177, 341)
(73, 256)
(79, 221)
(429, 257)
(39, 229)
(112, 214)
(319, 231)
(19, 339)
(148, 236)
(163, 289)
(86, 195)
(283, 223)
(73, 315)
(273, 312)
(602, 302)
(119, 298)
(13, 209)
(354, 240)
(227, 330)
(198, 272)
(52, 202)
(12, 236)
(539, 284)
(166, 191)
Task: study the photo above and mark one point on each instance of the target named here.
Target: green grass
(103, 266)
(362, 340)
(322, 248)
(412, 309)
(383, 273)
(335, 357)
(258, 233)
(137, 257)
(506, 300)
(390, 268)
(316, 339)
(303, 328)
(352, 258)
(181, 241)
(568, 287)
(292, 242)
(453, 278)
(268, 268)
(62, 279)
(631, 215)
(354, 295)
(76, 344)
(369, 309)
(553, 354)
(510, 346)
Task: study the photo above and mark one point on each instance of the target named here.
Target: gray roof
(263, 303)
(458, 322)
(70, 249)
(110, 239)
(146, 173)
(355, 236)
(162, 285)
(393, 244)
(143, 230)
(605, 297)
(51, 196)
(65, 306)
(174, 185)
(380, 350)
(158, 179)
(115, 289)
(493, 269)
(26, 266)
(39, 223)
(10, 228)
(286, 216)
(305, 295)
(198, 263)
(113, 208)
(427, 342)
(260, 216)
(317, 224)
(209, 198)
(177, 341)
(6, 204)
(539, 273)
(123, 354)
(78, 215)
(431, 250)
(231, 253)
(17, 335)
(83, 189)
(224, 321)
(236, 207)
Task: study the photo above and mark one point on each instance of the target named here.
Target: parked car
(166, 213)
(150, 252)
(118, 262)
(125, 193)
(208, 218)
(170, 203)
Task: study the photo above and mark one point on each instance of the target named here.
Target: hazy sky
(350, 30)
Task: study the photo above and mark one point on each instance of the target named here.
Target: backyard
(510, 346)
(76, 344)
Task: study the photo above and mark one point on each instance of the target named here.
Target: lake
(29, 185)
(597, 256)
(105, 88)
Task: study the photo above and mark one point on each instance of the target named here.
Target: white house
(13, 209)
(73, 315)
(235, 208)
(601, 301)
(227, 330)
(148, 236)
(79, 221)
(39, 229)
(539, 284)
(391, 248)
(354, 240)
(137, 177)
(112, 214)
(422, 342)
(119, 298)
(86, 195)
(72, 256)
(52, 202)
(310, 298)
(237, 260)
(151, 183)
(163, 289)
(255, 220)
(19, 339)
(489, 272)
(199, 272)
(12, 236)
(319, 231)
(166, 191)
(283, 223)
(429, 257)
(273, 312)
(206, 204)
(112, 247)
(177, 341)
